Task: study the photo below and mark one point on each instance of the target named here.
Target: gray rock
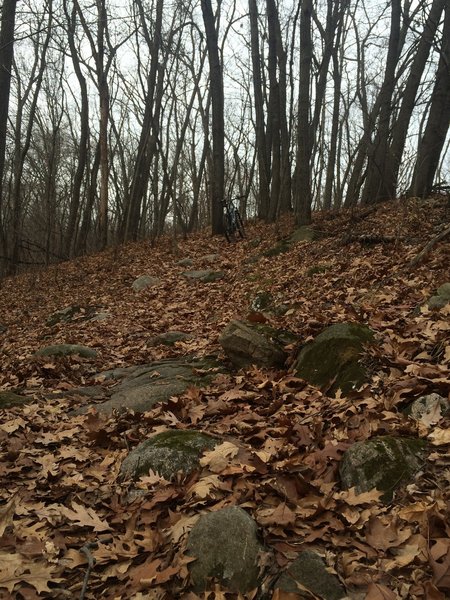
(67, 350)
(437, 302)
(169, 338)
(303, 234)
(3, 328)
(205, 276)
(226, 546)
(144, 281)
(427, 405)
(9, 399)
(209, 259)
(383, 463)
(146, 385)
(167, 453)
(444, 291)
(333, 357)
(185, 262)
(63, 316)
(247, 343)
(309, 570)
(262, 301)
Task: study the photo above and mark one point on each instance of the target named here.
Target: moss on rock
(167, 453)
(9, 399)
(333, 356)
(383, 463)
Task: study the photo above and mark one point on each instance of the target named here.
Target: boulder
(144, 281)
(63, 316)
(205, 276)
(9, 399)
(309, 570)
(209, 259)
(303, 234)
(167, 453)
(185, 262)
(226, 546)
(67, 350)
(169, 338)
(383, 463)
(254, 344)
(438, 300)
(146, 385)
(333, 357)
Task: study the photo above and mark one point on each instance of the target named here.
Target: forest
(124, 120)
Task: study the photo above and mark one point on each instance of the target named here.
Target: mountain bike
(232, 220)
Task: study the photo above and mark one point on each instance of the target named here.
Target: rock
(185, 262)
(205, 276)
(428, 408)
(167, 453)
(9, 399)
(444, 291)
(66, 350)
(63, 316)
(316, 269)
(144, 281)
(437, 301)
(226, 546)
(309, 570)
(383, 463)
(253, 344)
(333, 357)
(169, 338)
(209, 259)
(3, 328)
(262, 301)
(303, 234)
(146, 385)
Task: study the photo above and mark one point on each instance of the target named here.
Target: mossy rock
(309, 570)
(317, 269)
(333, 357)
(185, 262)
(281, 247)
(262, 301)
(167, 453)
(63, 316)
(384, 463)
(226, 546)
(9, 399)
(303, 234)
(444, 291)
(255, 344)
(204, 276)
(67, 350)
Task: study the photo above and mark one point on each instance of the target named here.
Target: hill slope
(59, 488)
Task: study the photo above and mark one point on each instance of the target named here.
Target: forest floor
(61, 501)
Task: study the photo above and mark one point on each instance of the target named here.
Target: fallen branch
(437, 238)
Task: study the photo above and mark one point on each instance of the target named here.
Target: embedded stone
(67, 350)
(227, 549)
(167, 454)
(383, 463)
(144, 281)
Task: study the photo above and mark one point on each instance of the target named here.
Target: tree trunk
(6, 59)
(433, 140)
(303, 195)
(218, 126)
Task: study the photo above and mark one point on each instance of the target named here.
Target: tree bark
(433, 140)
(218, 125)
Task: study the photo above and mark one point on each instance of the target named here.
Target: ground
(61, 502)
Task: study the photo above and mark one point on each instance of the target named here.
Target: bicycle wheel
(227, 230)
(239, 224)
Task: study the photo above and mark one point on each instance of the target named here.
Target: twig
(437, 238)
(86, 550)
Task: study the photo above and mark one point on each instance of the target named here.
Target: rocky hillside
(266, 419)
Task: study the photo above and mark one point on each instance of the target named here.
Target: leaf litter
(62, 502)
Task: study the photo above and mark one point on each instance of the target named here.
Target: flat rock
(144, 281)
(167, 453)
(67, 350)
(144, 386)
(429, 408)
(384, 463)
(185, 262)
(309, 570)
(333, 357)
(169, 338)
(9, 399)
(205, 276)
(248, 343)
(226, 546)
